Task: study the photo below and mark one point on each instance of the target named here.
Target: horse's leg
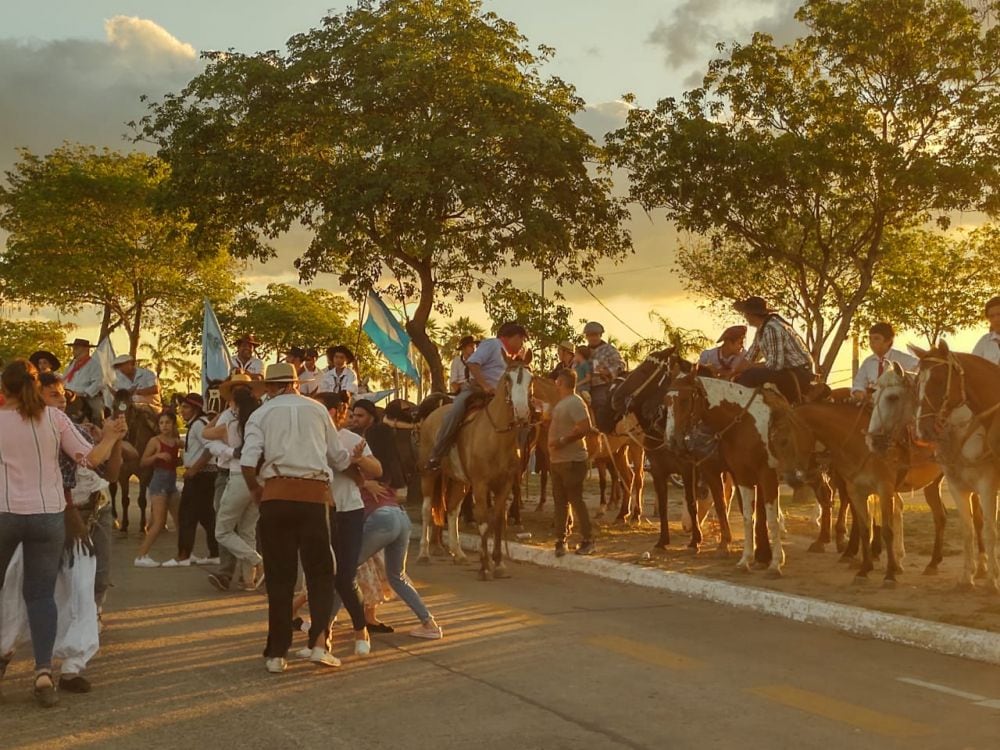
(125, 503)
(602, 483)
(887, 500)
(932, 494)
(499, 531)
(977, 523)
(484, 523)
(717, 488)
(638, 484)
(456, 495)
(142, 504)
(964, 500)
(763, 554)
(113, 491)
(897, 531)
(862, 522)
(691, 503)
(824, 496)
(515, 502)
(746, 494)
(429, 486)
(989, 503)
(661, 484)
(845, 501)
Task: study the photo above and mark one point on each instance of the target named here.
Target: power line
(611, 312)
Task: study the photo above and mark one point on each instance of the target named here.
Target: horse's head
(654, 370)
(940, 389)
(515, 388)
(894, 404)
(686, 406)
(121, 404)
(790, 441)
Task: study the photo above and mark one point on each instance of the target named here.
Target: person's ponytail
(20, 383)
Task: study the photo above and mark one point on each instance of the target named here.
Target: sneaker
(206, 560)
(560, 549)
(585, 548)
(177, 563)
(74, 684)
(322, 657)
(431, 632)
(276, 665)
(146, 562)
(219, 581)
(362, 648)
(380, 627)
(195, 560)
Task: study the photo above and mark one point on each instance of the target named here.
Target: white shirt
(868, 371)
(988, 347)
(88, 380)
(143, 379)
(335, 382)
(296, 438)
(252, 366)
(194, 442)
(87, 483)
(346, 493)
(309, 381)
(460, 374)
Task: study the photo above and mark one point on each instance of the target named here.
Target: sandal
(379, 627)
(45, 695)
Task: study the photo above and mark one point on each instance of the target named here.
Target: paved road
(545, 660)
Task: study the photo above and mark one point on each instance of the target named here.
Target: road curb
(953, 640)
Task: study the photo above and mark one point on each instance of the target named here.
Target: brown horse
(484, 457)
(141, 421)
(958, 398)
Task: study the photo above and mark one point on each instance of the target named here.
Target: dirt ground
(818, 575)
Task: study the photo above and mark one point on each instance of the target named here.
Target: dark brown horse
(141, 421)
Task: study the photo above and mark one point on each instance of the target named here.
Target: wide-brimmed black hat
(81, 342)
(733, 333)
(195, 400)
(467, 341)
(42, 354)
(753, 306)
(249, 339)
(341, 349)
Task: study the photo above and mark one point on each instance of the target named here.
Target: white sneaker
(195, 560)
(146, 562)
(207, 561)
(429, 632)
(323, 658)
(362, 648)
(175, 563)
(304, 653)
(276, 665)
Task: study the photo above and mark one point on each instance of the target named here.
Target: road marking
(860, 717)
(979, 700)
(642, 652)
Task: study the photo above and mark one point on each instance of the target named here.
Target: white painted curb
(953, 640)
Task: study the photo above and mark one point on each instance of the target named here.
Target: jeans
(236, 525)
(164, 482)
(347, 531)
(197, 508)
(792, 382)
(290, 530)
(452, 421)
(567, 489)
(42, 536)
(388, 528)
(227, 562)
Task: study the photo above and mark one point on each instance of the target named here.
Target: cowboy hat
(42, 354)
(568, 346)
(236, 379)
(593, 327)
(466, 341)
(247, 338)
(282, 372)
(733, 333)
(195, 400)
(122, 359)
(753, 306)
(81, 342)
(341, 349)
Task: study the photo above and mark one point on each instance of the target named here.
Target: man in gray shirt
(568, 456)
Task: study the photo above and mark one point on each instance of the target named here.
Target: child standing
(162, 454)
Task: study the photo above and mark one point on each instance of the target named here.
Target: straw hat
(236, 379)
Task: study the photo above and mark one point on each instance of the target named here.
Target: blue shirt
(489, 356)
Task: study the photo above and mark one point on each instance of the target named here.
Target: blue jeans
(452, 421)
(42, 535)
(388, 528)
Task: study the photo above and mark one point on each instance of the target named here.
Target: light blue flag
(216, 362)
(389, 337)
(377, 396)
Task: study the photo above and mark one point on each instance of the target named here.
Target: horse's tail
(439, 508)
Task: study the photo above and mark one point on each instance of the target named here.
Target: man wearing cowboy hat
(459, 369)
(340, 377)
(290, 445)
(45, 361)
(245, 361)
(85, 378)
(778, 355)
(722, 360)
(309, 374)
(142, 383)
(607, 365)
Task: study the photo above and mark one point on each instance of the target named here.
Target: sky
(74, 71)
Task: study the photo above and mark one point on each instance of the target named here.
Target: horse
(740, 417)
(641, 397)
(957, 399)
(484, 457)
(141, 422)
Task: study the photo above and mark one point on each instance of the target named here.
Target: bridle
(941, 414)
(660, 372)
(512, 421)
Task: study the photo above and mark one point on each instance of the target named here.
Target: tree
(86, 231)
(22, 338)
(417, 140)
(166, 355)
(935, 284)
(455, 330)
(547, 320)
(811, 154)
(688, 342)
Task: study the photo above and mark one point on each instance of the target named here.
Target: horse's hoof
(981, 573)
(773, 573)
(485, 575)
(439, 552)
(743, 566)
(889, 583)
(424, 560)
(722, 551)
(693, 549)
(661, 547)
(501, 573)
(897, 569)
(931, 570)
(817, 547)
(459, 560)
(760, 565)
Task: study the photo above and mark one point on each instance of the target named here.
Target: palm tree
(455, 330)
(167, 356)
(188, 372)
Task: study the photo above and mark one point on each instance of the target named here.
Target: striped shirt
(30, 479)
(605, 356)
(779, 346)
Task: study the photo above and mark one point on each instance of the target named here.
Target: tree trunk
(134, 330)
(105, 324)
(417, 328)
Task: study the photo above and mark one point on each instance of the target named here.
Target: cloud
(83, 90)
(599, 119)
(695, 26)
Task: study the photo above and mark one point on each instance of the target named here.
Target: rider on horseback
(607, 365)
(880, 338)
(140, 382)
(486, 366)
(786, 360)
(988, 347)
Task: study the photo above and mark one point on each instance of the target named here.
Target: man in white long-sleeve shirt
(295, 444)
(85, 378)
(988, 346)
(880, 339)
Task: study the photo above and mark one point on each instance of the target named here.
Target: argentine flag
(216, 362)
(389, 336)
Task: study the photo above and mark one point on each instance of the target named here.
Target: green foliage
(455, 330)
(935, 284)
(883, 116)
(417, 140)
(22, 338)
(547, 320)
(86, 231)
